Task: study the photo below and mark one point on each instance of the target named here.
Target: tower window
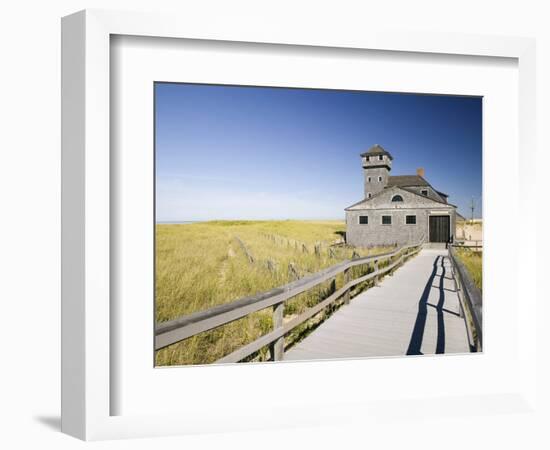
(410, 220)
(363, 220)
(369, 195)
(386, 220)
(368, 158)
(424, 192)
(368, 179)
(397, 198)
(380, 157)
(379, 178)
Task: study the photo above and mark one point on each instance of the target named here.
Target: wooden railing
(167, 333)
(476, 245)
(470, 300)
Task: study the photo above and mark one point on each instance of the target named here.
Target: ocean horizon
(168, 222)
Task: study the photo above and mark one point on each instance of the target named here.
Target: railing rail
(470, 299)
(170, 332)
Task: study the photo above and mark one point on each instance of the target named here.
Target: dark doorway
(440, 228)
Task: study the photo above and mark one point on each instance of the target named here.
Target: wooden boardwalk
(414, 312)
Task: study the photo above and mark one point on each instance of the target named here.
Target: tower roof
(375, 150)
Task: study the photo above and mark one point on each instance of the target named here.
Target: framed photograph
(255, 247)
(264, 211)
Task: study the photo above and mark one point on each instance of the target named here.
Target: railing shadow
(417, 336)
(440, 345)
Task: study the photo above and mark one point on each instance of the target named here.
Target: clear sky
(230, 152)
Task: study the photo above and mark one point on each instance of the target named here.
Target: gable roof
(406, 181)
(387, 188)
(375, 150)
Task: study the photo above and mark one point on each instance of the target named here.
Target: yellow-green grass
(472, 260)
(205, 264)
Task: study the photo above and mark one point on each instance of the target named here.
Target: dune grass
(472, 260)
(206, 264)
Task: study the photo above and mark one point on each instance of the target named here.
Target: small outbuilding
(397, 209)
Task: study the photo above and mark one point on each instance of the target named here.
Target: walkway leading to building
(413, 312)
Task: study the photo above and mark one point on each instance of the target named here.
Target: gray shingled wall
(398, 232)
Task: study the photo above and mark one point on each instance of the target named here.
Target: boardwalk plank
(415, 310)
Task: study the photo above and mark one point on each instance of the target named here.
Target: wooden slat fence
(170, 332)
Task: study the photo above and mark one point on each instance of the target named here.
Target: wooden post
(292, 271)
(332, 289)
(346, 281)
(318, 249)
(278, 346)
(457, 287)
(376, 270)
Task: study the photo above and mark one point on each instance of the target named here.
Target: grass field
(473, 262)
(202, 265)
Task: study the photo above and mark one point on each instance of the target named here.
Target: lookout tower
(377, 166)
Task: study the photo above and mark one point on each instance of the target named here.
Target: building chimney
(420, 172)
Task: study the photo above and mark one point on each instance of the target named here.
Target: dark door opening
(440, 228)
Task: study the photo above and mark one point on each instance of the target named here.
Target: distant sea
(164, 222)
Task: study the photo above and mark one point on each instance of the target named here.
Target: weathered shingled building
(397, 209)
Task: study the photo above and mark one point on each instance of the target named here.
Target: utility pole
(472, 207)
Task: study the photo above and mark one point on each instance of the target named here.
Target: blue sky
(230, 152)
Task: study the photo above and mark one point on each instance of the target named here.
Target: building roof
(375, 150)
(403, 189)
(406, 180)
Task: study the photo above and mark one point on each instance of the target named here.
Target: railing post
(333, 286)
(346, 281)
(376, 278)
(457, 282)
(278, 346)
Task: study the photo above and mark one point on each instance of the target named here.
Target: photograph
(299, 224)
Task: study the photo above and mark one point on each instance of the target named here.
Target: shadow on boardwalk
(417, 336)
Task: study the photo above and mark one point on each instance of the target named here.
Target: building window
(424, 192)
(410, 220)
(379, 178)
(380, 157)
(363, 220)
(397, 198)
(386, 220)
(369, 195)
(368, 179)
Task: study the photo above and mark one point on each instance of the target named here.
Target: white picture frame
(87, 321)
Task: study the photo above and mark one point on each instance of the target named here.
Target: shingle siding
(398, 232)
